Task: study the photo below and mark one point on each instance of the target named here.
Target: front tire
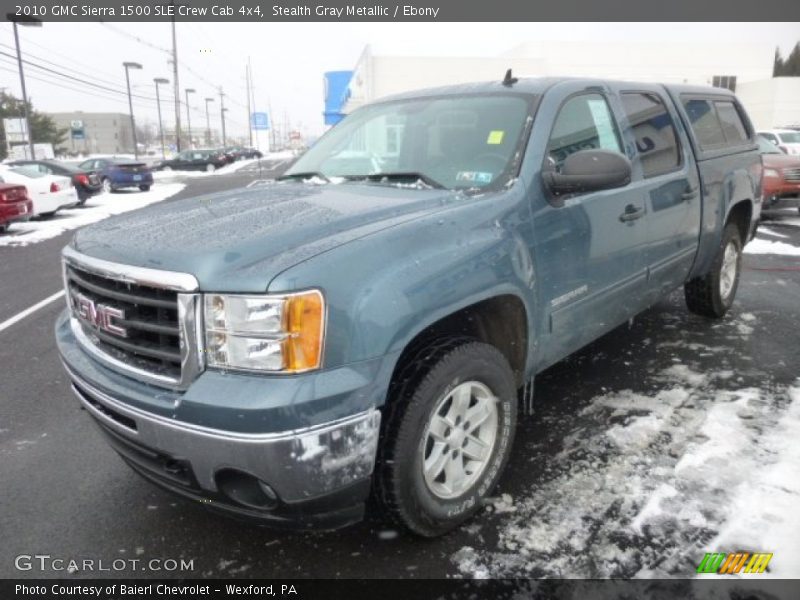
(447, 435)
(712, 295)
(210, 168)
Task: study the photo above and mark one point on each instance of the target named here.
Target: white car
(787, 140)
(48, 192)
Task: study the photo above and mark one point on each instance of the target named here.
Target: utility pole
(188, 117)
(128, 66)
(249, 107)
(177, 87)
(208, 123)
(222, 110)
(30, 22)
(158, 80)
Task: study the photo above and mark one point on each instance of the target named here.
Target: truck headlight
(281, 333)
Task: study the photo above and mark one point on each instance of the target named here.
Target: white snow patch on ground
(678, 472)
(759, 246)
(96, 209)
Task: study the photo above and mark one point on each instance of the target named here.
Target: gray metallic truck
(367, 326)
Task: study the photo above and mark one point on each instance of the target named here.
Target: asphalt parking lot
(612, 424)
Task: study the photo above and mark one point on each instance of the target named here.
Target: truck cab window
(705, 123)
(584, 123)
(654, 131)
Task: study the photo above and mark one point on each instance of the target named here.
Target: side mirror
(589, 171)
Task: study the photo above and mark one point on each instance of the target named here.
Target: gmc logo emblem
(99, 316)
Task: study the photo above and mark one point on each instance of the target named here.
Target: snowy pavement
(96, 208)
(700, 455)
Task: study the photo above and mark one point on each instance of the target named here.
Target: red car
(15, 205)
(781, 174)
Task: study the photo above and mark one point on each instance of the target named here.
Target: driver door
(590, 247)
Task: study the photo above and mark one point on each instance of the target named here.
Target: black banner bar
(271, 11)
(408, 589)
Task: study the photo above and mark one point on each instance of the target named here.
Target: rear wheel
(447, 435)
(107, 186)
(144, 188)
(210, 168)
(712, 295)
(3, 227)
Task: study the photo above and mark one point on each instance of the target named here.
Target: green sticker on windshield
(495, 137)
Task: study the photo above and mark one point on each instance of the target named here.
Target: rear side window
(705, 123)
(583, 123)
(732, 125)
(654, 131)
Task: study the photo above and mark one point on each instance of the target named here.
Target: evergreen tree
(43, 128)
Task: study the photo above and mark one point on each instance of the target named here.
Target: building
(743, 67)
(96, 133)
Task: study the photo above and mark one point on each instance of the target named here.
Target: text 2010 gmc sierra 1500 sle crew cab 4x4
(367, 324)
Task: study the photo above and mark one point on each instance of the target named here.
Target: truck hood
(241, 239)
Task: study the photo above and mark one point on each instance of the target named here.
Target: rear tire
(144, 188)
(107, 188)
(210, 168)
(435, 467)
(712, 295)
(3, 227)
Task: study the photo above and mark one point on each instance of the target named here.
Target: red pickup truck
(15, 205)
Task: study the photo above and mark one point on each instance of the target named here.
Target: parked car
(240, 152)
(227, 153)
(87, 183)
(49, 193)
(781, 174)
(192, 160)
(15, 205)
(787, 140)
(118, 173)
(368, 324)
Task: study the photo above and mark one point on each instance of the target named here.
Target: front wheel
(712, 295)
(448, 434)
(210, 168)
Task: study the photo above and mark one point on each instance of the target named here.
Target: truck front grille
(142, 327)
(791, 174)
(146, 333)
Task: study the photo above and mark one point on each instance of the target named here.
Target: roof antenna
(508, 80)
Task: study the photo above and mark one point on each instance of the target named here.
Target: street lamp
(132, 65)
(157, 81)
(208, 123)
(25, 22)
(222, 113)
(188, 117)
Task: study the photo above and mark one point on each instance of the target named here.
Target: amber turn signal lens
(305, 320)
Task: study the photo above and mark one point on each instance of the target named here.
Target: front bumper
(316, 476)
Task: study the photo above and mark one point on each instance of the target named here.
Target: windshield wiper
(409, 175)
(304, 175)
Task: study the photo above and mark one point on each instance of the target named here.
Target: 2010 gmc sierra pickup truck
(369, 323)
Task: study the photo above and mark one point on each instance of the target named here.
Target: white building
(744, 67)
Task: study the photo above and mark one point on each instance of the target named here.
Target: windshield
(456, 142)
(767, 147)
(790, 138)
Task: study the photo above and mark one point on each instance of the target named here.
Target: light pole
(208, 123)
(189, 118)
(224, 140)
(128, 66)
(157, 81)
(26, 22)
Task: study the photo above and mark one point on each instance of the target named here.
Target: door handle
(631, 213)
(689, 193)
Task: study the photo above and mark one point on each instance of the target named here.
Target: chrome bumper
(298, 465)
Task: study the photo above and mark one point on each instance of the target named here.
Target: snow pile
(666, 477)
(96, 209)
(759, 246)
